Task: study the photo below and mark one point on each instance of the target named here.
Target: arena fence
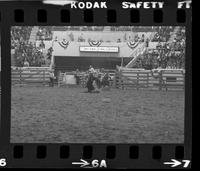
(122, 77)
(30, 75)
(82, 76)
(163, 79)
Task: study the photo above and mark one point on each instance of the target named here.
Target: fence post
(183, 80)
(160, 80)
(59, 78)
(43, 77)
(20, 77)
(137, 80)
(115, 79)
(121, 80)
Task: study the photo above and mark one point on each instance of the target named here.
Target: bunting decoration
(132, 44)
(94, 43)
(64, 43)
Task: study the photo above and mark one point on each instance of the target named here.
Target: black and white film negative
(96, 84)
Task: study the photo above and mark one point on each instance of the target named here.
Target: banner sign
(114, 49)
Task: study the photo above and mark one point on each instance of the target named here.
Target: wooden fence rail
(157, 79)
(123, 78)
(23, 76)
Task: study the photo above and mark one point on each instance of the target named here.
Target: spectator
(44, 33)
(51, 77)
(26, 63)
(77, 76)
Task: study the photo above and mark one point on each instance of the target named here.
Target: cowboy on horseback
(91, 69)
(96, 80)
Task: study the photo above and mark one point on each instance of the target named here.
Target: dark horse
(89, 84)
(99, 83)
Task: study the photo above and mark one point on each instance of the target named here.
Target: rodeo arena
(97, 84)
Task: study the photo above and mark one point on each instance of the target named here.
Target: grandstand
(168, 54)
(147, 47)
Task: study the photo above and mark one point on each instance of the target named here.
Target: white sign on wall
(99, 49)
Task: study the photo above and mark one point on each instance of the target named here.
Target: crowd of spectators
(44, 33)
(25, 53)
(19, 34)
(166, 55)
(162, 33)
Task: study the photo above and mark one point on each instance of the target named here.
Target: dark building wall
(83, 63)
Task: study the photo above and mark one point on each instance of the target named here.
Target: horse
(97, 80)
(89, 83)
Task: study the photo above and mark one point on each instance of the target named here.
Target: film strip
(50, 50)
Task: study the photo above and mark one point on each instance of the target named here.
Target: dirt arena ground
(68, 115)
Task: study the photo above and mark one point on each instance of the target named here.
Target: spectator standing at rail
(51, 77)
(26, 63)
(105, 80)
(77, 76)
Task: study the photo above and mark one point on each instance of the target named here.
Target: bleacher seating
(166, 45)
(24, 51)
(167, 54)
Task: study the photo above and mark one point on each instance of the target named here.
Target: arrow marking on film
(174, 163)
(83, 163)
